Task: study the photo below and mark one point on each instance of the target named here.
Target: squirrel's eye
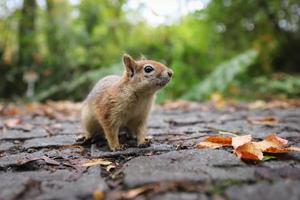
(148, 69)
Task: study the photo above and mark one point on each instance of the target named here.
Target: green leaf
(221, 78)
(69, 86)
(267, 158)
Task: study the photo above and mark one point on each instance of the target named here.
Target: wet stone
(243, 127)
(54, 141)
(189, 129)
(189, 165)
(13, 160)
(157, 121)
(4, 146)
(180, 196)
(22, 135)
(52, 185)
(100, 152)
(285, 172)
(265, 191)
(183, 120)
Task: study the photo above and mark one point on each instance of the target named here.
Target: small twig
(225, 132)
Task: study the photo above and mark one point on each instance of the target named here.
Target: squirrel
(125, 101)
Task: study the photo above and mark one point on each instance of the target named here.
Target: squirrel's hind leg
(90, 124)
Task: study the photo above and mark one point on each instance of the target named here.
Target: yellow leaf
(135, 192)
(98, 195)
(110, 167)
(96, 162)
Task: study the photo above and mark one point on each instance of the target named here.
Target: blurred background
(239, 49)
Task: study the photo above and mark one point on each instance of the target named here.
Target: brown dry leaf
(276, 150)
(249, 151)
(294, 148)
(272, 144)
(96, 162)
(110, 167)
(211, 145)
(135, 192)
(240, 140)
(31, 159)
(271, 121)
(220, 140)
(12, 122)
(98, 195)
(215, 142)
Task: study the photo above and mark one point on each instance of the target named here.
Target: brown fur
(123, 102)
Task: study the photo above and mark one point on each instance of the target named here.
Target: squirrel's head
(146, 75)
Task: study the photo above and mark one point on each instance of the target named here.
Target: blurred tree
(27, 34)
(271, 27)
(70, 44)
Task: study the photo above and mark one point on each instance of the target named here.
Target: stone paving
(39, 159)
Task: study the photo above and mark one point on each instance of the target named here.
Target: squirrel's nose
(170, 73)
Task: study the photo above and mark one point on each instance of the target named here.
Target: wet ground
(39, 158)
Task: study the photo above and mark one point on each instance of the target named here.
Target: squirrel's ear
(129, 64)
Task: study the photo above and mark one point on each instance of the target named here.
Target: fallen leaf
(50, 161)
(276, 150)
(96, 162)
(272, 144)
(220, 140)
(131, 194)
(98, 195)
(271, 121)
(12, 122)
(248, 151)
(240, 140)
(267, 158)
(211, 145)
(244, 148)
(294, 148)
(110, 167)
(31, 159)
(215, 142)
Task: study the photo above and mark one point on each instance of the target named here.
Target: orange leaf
(274, 138)
(240, 140)
(219, 140)
(272, 144)
(12, 122)
(211, 145)
(276, 150)
(249, 152)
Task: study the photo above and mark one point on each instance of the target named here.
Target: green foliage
(284, 84)
(67, 44)
(222, 77)
(71, 87)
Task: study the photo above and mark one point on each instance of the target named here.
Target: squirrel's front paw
(82, 139)
(146, 143)
(117, 148)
